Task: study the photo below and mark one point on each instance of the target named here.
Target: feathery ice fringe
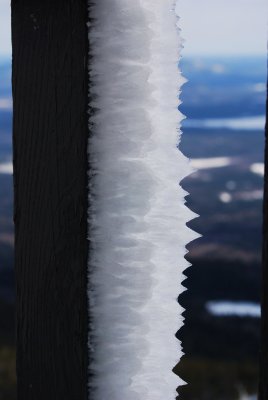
(137, 215)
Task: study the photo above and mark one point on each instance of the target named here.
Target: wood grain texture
(263, 381)
(50, 131)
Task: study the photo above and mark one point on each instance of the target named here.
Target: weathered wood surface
(263, 382)
(50, 130)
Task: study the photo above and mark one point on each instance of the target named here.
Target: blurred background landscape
(7, 311)
(225, 62)
(223, 135)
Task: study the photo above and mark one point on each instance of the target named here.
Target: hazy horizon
(239, 27)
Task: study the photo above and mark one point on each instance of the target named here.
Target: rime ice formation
(137, 215)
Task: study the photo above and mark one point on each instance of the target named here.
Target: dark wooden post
(50, 129)
(263, 384)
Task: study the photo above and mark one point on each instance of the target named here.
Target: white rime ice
(137, 215)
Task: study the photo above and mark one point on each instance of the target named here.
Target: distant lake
(234, 309)
(240, 123)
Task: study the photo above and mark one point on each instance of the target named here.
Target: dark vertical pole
(50, 178)
(263, 383)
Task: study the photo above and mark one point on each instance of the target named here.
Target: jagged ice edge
(137, 212)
